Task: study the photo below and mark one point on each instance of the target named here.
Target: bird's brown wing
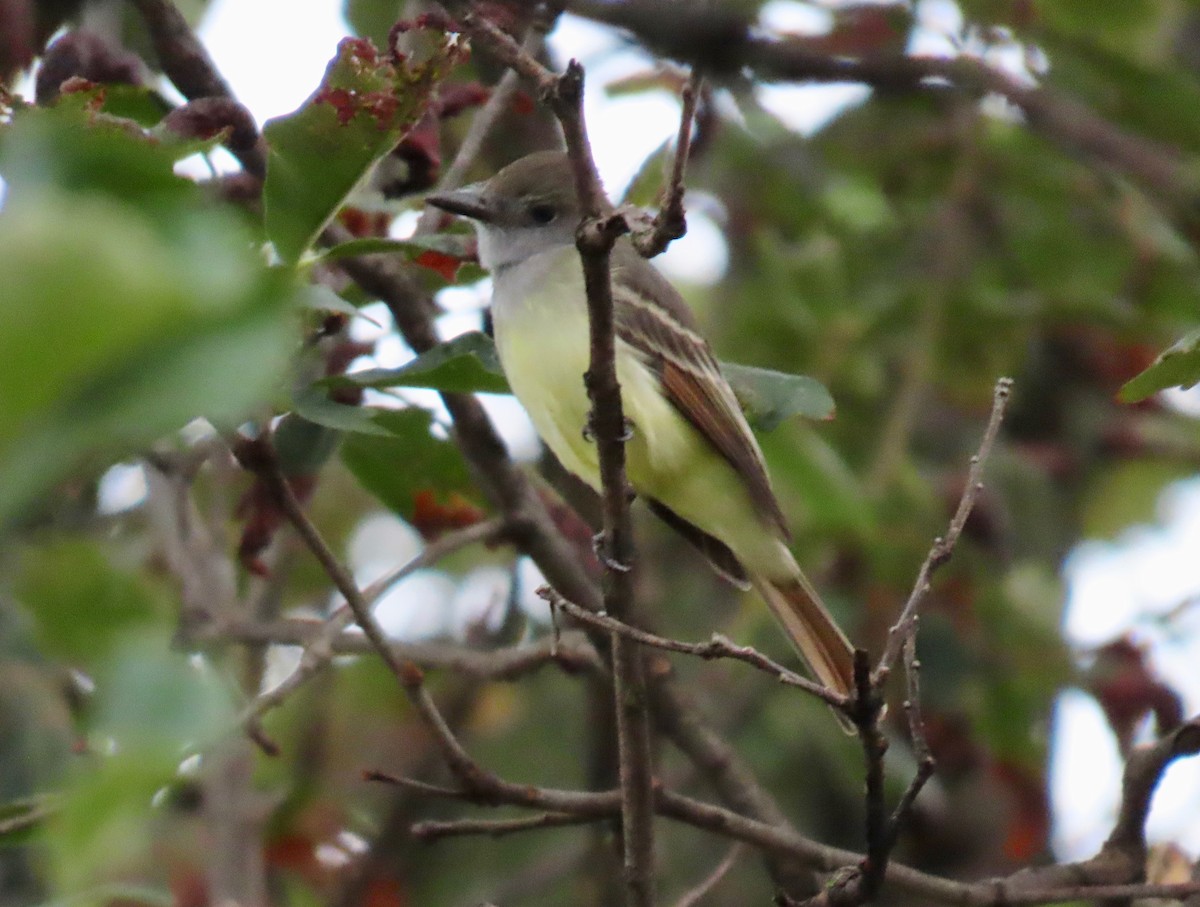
(650, 316)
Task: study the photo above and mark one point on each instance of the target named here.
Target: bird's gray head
(528, 207)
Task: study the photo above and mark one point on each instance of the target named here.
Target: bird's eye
(542, 213)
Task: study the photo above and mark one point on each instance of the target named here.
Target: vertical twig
(599, 231)
(670, 223)
(916, 733)
(943, 548)
(609, 428)
(867, 710)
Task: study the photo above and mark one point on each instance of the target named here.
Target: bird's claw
(609, 562)
(589, 434)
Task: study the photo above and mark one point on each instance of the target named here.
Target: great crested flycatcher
(691, 454)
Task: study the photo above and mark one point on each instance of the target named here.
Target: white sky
(1113, 586)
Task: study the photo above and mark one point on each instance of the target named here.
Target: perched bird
(691, 454)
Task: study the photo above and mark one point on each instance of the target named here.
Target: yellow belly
(542, 341)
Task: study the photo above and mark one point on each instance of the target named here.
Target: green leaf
(395, 468)
(319, 154)
(831, 495)
(314, 405)
(131, 304)
(53, 580)
(768, 397)
(647, 184)
(155, 700)
(155, 705)
(1126, 494)
(320, 298)
(20, 819)
(1177, 366)
(468, 364)
(65, 149)
(453, 244)
(142, 105)
(373, 18)
(302, 446)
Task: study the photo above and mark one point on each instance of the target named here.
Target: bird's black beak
(466, 202)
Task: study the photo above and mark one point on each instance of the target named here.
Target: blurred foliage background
(914, 249)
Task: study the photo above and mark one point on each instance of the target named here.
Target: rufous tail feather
(812, 631)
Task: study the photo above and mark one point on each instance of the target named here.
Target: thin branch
(1078, 881)
(725, 45)
(943, 548)
(22, 815)
(717, 647)
(258, 457)
(574, 654)
(670, 223)
(481, 786)
(609, 429)
(866, 712)
(678, 719)
(189, 67)
(481, 126)
(916, 732)
(496, 828)
(319, 649)
(595, 238)
(693, 897)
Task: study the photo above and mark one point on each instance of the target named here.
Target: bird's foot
(589, 433)
(598, 541)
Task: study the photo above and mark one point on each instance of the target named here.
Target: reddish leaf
(432, 518)
(16, 38)
(1028, 828)
(1127, 689)
(209, 117)
(88, 55)
(188, 887)
(364, 223)
(445, 265)
(572, 527)
(296, 853)
(454, 99)
(522, 103)
(263, 517)
(384, 892)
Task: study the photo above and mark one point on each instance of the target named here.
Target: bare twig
(319, 649)
(608, 426)
(258, 457)
(26, 814)
(866, 711)
(671, 222)
(573, 653)
(943, 548)
(725, 45)
(693, 897)
(481, 126)
(1096, 878)
(595, 238)
(496, 828)
(189, 67)
(916, 731)
(717, 647)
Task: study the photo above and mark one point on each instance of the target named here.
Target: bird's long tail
(812, 630)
